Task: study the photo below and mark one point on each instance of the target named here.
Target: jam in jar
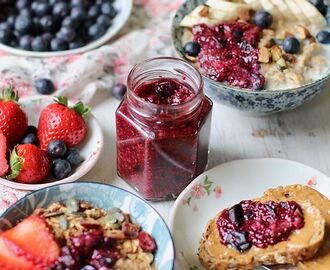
(163, 128)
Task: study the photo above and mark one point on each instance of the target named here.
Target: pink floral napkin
(147, 34)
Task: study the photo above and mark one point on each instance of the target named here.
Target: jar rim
(165, 106)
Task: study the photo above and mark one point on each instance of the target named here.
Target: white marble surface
(302, 135)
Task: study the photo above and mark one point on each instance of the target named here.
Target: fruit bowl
(124, 8)
(90, 149)
(104, 196)
(252, 102)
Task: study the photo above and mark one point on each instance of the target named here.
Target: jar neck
(164, 68)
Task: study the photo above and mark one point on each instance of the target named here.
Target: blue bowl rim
(96, 183)
(325, 77)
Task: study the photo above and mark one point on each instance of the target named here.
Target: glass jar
(163, 128)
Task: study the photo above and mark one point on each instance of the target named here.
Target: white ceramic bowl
(124, 8)
(224, 186)
(90, 148)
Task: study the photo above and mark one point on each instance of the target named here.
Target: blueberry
(93, 12)
(56, 148)
(5, 26)
(22, 4)
(78, 13)
(238, 34)
(291, 45)
(73, 157)
(61, 9)
(68, 21)
(30, 138)
(44, 86)
(263, 19)
(119, 90)
(76, 44)
(31, 129)
(61, 169)
(192, 48)
(39, 44)
(78, 3)
(5, 36)
(25, 42)
(96, 30)
(108, 10)
(104, 21)
(67, 33)
(41, 8)
(236, 214)
(48, 23)
(25, 12)
(323, 37)
(23, 24)
(320, 5)
(11, 20)
(58, 44)
(47, 36)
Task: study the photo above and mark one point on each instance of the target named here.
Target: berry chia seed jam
(163, 128)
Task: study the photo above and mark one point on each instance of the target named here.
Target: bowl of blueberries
(44, 28)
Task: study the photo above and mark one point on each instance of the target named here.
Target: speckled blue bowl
(105, 196)
(253, 102)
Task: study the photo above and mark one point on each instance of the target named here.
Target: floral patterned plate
(106, 197)
(90, 148)
(224, 186)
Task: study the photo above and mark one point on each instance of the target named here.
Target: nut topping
(264, 55)
(276, 52)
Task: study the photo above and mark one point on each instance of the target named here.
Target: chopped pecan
(289, 58)
(302, 32)
(276, 52)
(264, 55)
(288, 34)
(204, 12)
(131, 230)
(245, 14)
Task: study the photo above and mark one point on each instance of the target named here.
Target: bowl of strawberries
(45, 140)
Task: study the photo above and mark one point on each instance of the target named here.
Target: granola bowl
(255, 102)
(50, 203)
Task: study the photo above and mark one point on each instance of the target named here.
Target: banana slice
(226, 6)
(272, 9)
(284, 9)
(255, 4)
(189, 21)
(311, 12)
(297, 11)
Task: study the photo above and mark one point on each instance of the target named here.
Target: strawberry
(31, 239)
(3, 155)
(29, 164)
(60, 122)
(9, 261)
(13, 120)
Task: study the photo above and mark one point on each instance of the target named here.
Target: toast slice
(322, 259)
(301, 245)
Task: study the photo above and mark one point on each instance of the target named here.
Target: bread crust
(284, 252)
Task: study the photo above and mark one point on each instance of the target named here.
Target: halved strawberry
(4, 167)
(58, 121)
(33, 240)
(9, 261)
(29, 164)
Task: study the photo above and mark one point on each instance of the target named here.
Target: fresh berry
(76, 44)
(104, 21)
(26, 12)
(5, 36)
(73, 157)
(78, 13)
(41, 8)
(44, 86)
(87, 241)
(31, 129)
(23, 24)
(108, 10)
(32, 239)
(4, 167)
(48, 23)
(58, 44)
(192, 48)
(61, 169)
(263, 19)
(146, 242)
(39, 44)
(88, 267)
(69, 22)
(323, 37)
(61, 9)
(60, 122)
(56, 149)
(320, 5)
(10, 261)
(104, 258)
(291, 45)
(30, 138)
(119, 91)
(93, 12)
(9, 110)
(67, 33)
(25, 42)
(78, 3)
(29, 164)
(96, 30)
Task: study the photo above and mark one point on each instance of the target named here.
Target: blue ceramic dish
(254, 102)
(104, 196)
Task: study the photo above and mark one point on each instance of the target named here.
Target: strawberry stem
(15, 165)
(8, 94)
(61, 100)
(79, 107)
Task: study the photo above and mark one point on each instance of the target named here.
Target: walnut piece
(264, 55)
(276, 52)
(302, 32)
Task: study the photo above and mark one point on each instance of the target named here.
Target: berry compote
(260, 224)
(163, 128)
(229, 53)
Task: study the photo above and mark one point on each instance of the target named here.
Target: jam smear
(229, 53)
(165, 91)
(260, 224)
